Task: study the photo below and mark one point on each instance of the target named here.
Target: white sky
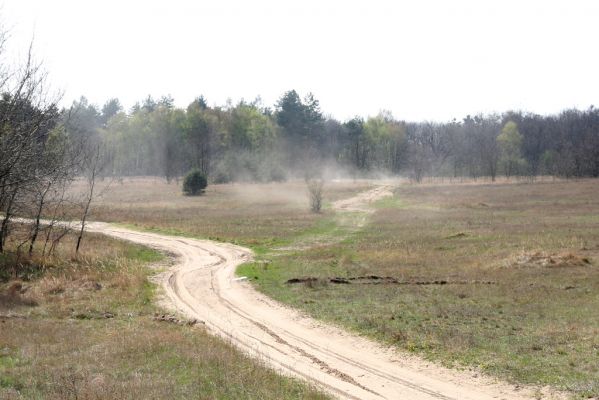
(419, 59)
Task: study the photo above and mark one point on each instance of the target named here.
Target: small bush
(315, 189)
(195, 182)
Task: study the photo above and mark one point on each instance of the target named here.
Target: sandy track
(362, 201)
(202, 285)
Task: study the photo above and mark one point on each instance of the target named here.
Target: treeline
(248, 141)
(43, 148)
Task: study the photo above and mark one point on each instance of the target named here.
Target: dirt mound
(550, 260)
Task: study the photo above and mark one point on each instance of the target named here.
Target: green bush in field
(195, 182)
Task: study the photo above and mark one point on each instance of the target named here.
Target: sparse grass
(535, 325)
(83, 328)
(248, 214)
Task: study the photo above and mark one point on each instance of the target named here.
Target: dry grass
(537, 324)
(539, 244)
(250, 214)
(84, 328)
(547, 260)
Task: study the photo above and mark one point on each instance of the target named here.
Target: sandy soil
(202, 285)
(362, 201)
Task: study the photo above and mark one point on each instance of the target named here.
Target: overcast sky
(419, 59)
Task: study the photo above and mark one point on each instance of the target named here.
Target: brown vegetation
(537, 243)
(555, 260)
(85, 327)
(251, 214)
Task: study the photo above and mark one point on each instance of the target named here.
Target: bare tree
(58, 163)
(93, 164)
(27, 115)
(54, 231)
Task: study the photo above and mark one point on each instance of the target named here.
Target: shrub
(315, 189)
(195, 182)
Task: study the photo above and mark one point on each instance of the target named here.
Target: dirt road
(202, 285)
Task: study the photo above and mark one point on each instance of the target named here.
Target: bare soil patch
(550, 260)
(380, 280)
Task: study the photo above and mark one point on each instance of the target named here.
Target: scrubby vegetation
(86, 327)
(315, 191)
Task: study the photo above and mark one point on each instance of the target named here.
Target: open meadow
(256, 215)
(501, 277)
(85, 326)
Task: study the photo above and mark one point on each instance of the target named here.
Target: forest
(248, 141)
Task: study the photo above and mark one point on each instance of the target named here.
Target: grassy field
(86, 328)
(501, 277)
(250, 214)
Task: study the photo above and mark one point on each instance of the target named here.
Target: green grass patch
(143, 254)
(391, 202)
